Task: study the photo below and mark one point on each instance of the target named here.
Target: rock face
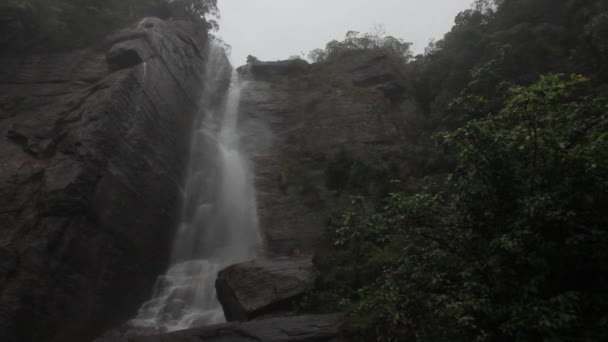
(272, 70)
(296, 123)
(251, 289)
(376, 71)
(313, 328)
(93, 146)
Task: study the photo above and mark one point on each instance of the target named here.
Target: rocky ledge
(272, 70)
(312, 328)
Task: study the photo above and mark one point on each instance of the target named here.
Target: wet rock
(261, 287)
(377, 71)
(93, 146)
(123, 56)
(312, 328)
(293, 125)
(132, 47)
(270, 70)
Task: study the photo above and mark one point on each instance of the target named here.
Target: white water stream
(219, 220)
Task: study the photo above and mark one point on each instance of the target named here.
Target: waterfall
(219, 219)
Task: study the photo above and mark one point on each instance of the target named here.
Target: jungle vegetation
(503, 236)
(57, 24)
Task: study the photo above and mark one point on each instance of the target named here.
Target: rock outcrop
(312, 328)
(296, 122)
(93, 146)
(273, 70)
(263, 287)
(376, 71)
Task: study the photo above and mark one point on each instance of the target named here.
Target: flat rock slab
(261, 287)
(312, 328)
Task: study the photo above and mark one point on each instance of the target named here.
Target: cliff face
(299, 118)
(93, 147)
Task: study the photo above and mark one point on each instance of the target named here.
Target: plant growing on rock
(376, 39)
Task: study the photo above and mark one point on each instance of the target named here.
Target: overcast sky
(277, 29)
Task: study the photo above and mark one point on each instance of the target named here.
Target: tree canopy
(376, 39)
(504, 238)
(45, 24)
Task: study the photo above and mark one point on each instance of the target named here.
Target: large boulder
(94, 146)
(312, 328)
(263, 287)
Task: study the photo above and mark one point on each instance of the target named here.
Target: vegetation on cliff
(511, 244)
(376, 39)
(44, 24)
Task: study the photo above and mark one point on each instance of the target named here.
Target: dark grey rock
(252, 289)
(125, 55)
(375, 70)
(371, 69)
(312, 328)
(93, 159)
(269, 70)
(293, 125)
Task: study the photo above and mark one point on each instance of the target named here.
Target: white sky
(276, 29)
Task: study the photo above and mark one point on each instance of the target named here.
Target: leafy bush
(43, 24)
(512, 247)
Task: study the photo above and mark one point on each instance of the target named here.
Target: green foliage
(252, 59)
(492, 46)
(542, 36)
(510, 248)
(511, 245)
(296, 180)
(373, 174)
(44, 24)
(195, 10)
(374, 40)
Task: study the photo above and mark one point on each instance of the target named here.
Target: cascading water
(219, 223)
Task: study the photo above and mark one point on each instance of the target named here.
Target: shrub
(510, 248)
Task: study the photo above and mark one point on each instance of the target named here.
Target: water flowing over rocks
(218, 225)
(294, 125)
(94, 146)
(263, 287)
